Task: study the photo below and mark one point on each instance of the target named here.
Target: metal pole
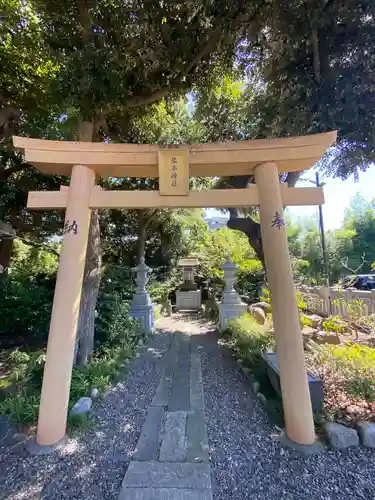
(323, 242)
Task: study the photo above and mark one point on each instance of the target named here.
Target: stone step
(164, 494)
(173, 445)
(149, 440)
(164, 475)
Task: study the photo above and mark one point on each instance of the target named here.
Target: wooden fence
(348, 302)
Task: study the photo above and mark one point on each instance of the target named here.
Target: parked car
(360, 281)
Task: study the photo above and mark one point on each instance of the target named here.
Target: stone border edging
(339, 437)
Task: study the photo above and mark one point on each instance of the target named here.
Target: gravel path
(247, 461)
(92, 466)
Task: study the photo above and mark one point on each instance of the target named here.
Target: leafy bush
(305, 321)
(26, 296)
(80, 422)
(348, 372)
(120, 338)
(250, 339)
(25, 309)
(162, 291)
(334, 324)
(113, 324)
(250, 279)
(21, 407)
(26, 368)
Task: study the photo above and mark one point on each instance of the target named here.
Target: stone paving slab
(162, 392)
(149, 440)
(164, 494)
(167, 475)
(173, 445)
(196, 384)
(169, 367)
(196, 437)
(179, 398)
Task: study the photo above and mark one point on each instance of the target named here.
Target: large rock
(323, 337)
(263, 305)
(94, 393)
(341, 437)
(82, 406)
(366, 433)
(258, 314)
(309, 333)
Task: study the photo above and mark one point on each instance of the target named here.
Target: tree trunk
(6, 246)
(90, 291)
(91, 277)
(142, 231)
(248, 226)
(251, 229)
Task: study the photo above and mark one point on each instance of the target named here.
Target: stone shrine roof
(188, 262)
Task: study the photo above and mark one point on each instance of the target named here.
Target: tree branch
(353, 271)
(141, 100)
(28, 227)
(42, 246)
(176, 84)
(7, 172)
(316, 56)
(292, 178)
(251, 229)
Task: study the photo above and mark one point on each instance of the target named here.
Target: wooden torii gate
(84, 161)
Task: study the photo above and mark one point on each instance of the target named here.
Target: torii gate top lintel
(205, 160)
(173, 165)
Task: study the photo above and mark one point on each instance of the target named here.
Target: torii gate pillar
(289, 347)
(63, 328)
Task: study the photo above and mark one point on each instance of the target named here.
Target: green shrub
(25, 309)
(348, 372)
(26, 368)
(117, 336)
(79, 422)
(250, 279)
(159, 292)
(251, 340)
(18, 357)
(21, 407)
(334, 324)
(113, 325)
(305, 321)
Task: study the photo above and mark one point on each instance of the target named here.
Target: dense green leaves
(317, 66)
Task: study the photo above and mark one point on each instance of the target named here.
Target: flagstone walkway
(171, 456)
(183, 425)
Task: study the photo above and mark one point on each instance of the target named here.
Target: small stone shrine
(231, 305)
(188, 297)
(141, 307)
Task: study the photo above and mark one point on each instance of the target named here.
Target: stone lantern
(231, 305)
(188, 297)
(141, 307)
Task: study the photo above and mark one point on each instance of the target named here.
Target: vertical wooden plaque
(174, 172)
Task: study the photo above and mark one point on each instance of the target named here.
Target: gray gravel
(93, 465)
(248, 462)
